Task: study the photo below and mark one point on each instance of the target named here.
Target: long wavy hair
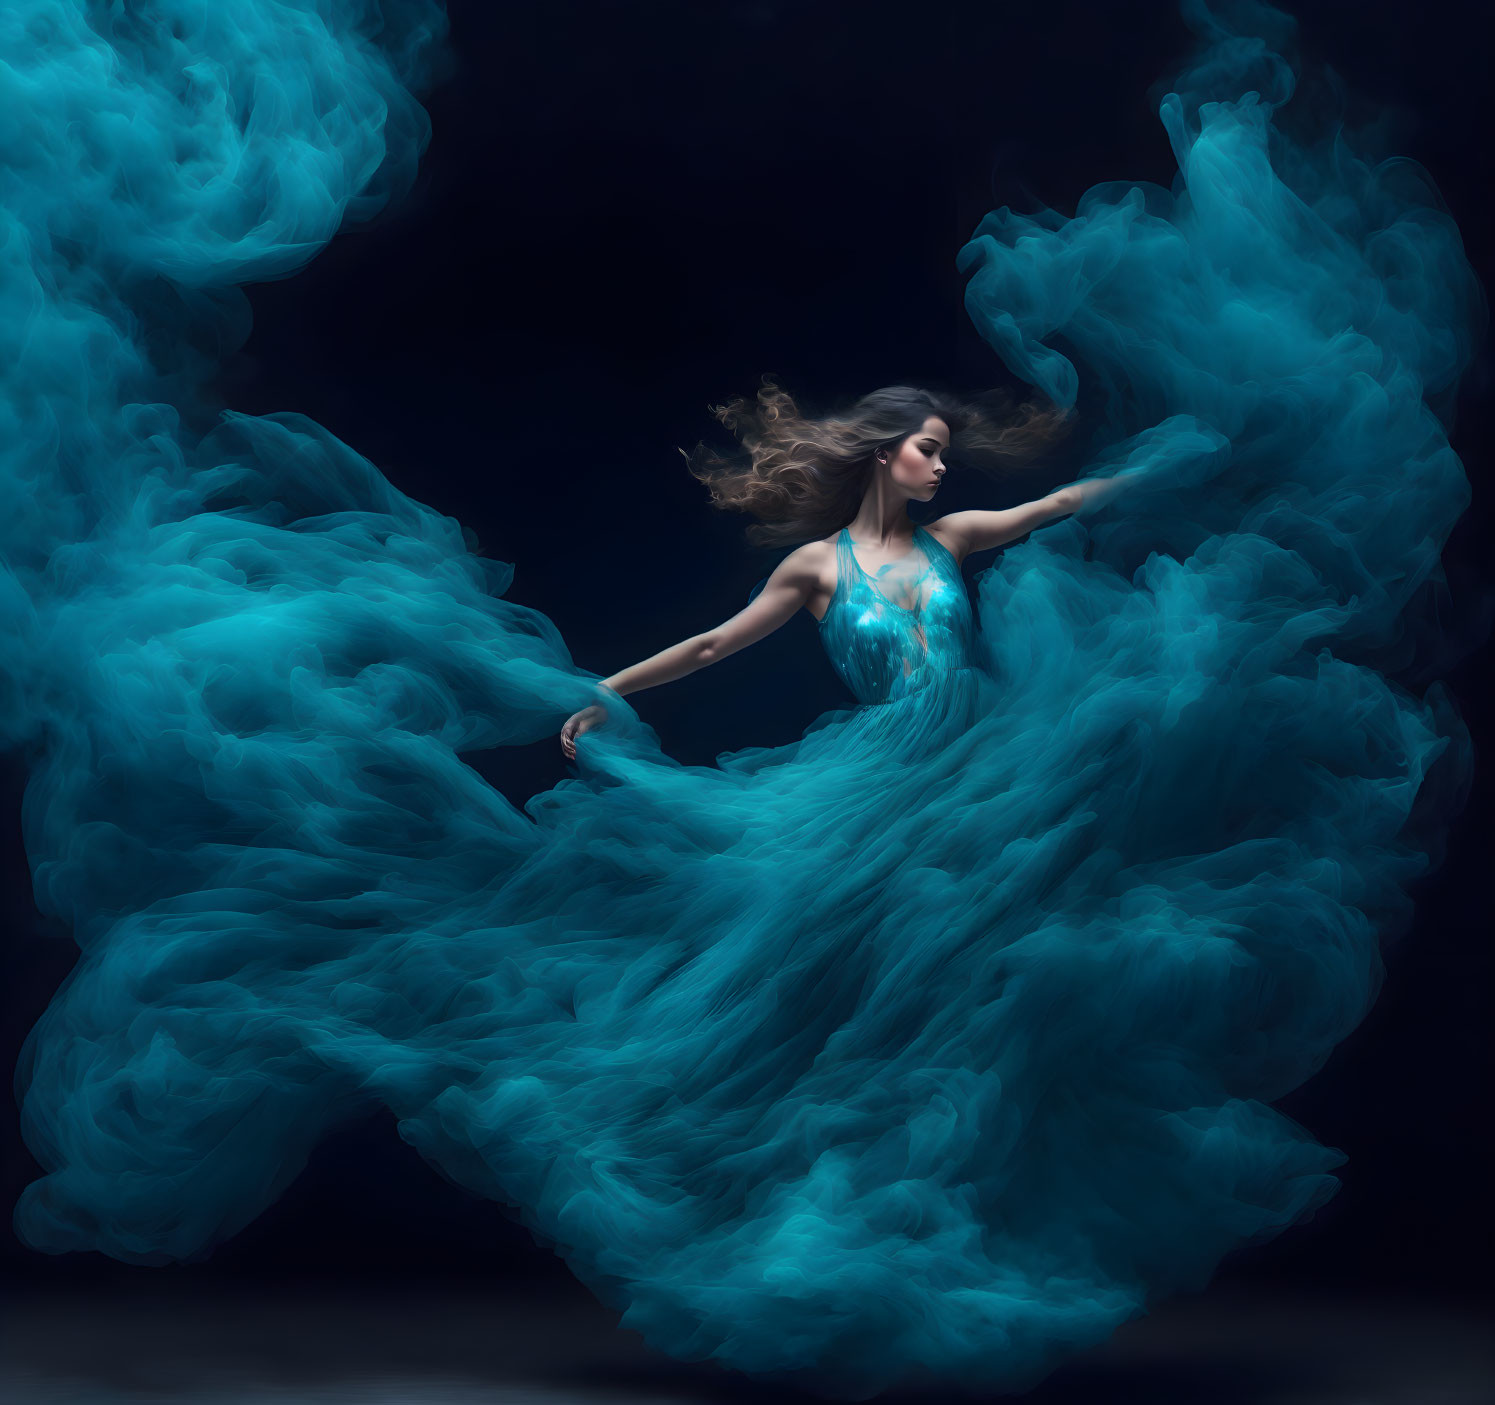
(804, 476)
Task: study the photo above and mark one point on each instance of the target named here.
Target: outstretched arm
(965, 532)
(786, 590)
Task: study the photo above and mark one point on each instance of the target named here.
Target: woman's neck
(884, 524)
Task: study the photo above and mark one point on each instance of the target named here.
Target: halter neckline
(846, 533)
(845, 537)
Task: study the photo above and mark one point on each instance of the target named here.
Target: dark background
(629, 212)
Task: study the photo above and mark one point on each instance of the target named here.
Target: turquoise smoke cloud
(242, 666)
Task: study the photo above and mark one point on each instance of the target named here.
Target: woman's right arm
(788, 589)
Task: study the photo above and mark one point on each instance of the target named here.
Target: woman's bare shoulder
(813, 566)
(947, 532)
(812, 556)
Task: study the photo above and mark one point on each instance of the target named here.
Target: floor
(431, 1345)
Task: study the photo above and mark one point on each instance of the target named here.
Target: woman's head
(804, 476)
(914, 466)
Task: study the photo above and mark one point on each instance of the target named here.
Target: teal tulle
(933, 1043)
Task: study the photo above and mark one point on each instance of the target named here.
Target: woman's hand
(579, 722)
(1091, 493)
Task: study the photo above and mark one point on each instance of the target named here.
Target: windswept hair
(804, 476)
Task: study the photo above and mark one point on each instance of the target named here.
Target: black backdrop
(628, 212)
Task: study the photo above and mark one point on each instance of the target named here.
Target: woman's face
(917, 466)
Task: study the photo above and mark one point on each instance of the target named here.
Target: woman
(886, 591)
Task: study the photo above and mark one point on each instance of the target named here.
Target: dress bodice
(882, 648)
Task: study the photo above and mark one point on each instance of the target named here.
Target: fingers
(574, 727)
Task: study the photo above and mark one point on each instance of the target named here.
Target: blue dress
(935, 1040)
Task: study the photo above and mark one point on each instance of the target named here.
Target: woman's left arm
(961, 533)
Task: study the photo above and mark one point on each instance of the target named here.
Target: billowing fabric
(931, 1044)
